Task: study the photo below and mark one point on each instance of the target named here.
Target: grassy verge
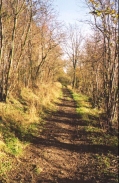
(102, 145)
(21, 119)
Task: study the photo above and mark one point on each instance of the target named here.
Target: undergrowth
(20, 119)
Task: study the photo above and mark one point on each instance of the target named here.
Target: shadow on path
(61, 155)
(68, 155)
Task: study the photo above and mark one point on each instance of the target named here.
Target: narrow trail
(59, 154)
(60, 143)
(60, 151)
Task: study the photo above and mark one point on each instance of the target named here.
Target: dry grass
(19, 117)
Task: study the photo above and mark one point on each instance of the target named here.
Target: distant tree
(73, 48)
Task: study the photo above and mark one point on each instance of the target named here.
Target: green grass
(5, 165)
(90, 117)
(105, 161)
(14, 146)
(84, 108)
(10, 143)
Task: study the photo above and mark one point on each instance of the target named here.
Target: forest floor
(63, 153)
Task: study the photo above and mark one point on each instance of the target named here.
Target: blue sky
(71, 11)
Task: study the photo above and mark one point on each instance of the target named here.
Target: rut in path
(59, 154)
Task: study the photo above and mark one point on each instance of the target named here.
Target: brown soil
(60, 154)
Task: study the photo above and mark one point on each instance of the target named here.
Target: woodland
(41, 61)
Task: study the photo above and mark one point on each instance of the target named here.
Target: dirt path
(60, 154)
(59, 143)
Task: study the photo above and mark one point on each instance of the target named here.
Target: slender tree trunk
(74, 79)
(11, 57)
(1, 62)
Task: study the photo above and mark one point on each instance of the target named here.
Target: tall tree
(105, 13)
(11, 40)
